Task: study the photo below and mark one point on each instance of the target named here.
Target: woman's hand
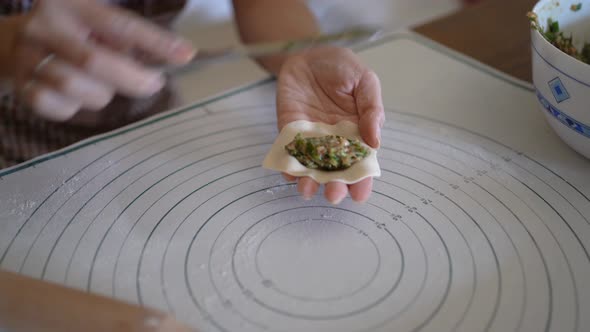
(330, 85)
(70, 55)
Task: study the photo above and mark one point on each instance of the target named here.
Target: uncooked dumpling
(342, 156)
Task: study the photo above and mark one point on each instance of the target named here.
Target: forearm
(273, 20)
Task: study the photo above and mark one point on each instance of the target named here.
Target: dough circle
(279, 160)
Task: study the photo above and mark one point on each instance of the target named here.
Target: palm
(315, 92)
(330, 85)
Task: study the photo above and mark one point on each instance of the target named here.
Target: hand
(330, 85)
(75, 54)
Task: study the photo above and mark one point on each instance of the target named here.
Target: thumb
(369, 104)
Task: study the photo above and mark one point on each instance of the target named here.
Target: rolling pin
(30, 305)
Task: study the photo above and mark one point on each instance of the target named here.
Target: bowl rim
(554, 49)
(535, 10)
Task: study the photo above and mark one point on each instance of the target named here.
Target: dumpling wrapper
(278, 159)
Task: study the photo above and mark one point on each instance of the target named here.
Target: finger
(39, 97)
(307, 187)
(47, 103)
(76, 85)
(335, 192)
(360, 191)
(112, 44)
(289, 177)
(370, 107)
(127, 28)
(123, 74)
(121, 47)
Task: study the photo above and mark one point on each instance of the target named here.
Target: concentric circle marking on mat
(249, 293)
(247, 276)
(489, 238)
(251, 240)
(286, 252)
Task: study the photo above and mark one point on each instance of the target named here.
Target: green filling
(328, 153)
(577, 7)
(557, 38)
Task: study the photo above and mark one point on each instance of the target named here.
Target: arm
(327, 84)
(272, 20)
(28, 304)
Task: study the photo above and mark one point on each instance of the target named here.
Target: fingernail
(153, 84)
(183, 50)
(337, 201)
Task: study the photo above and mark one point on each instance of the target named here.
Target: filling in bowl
(557, 38)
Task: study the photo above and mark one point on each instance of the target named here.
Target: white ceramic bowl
(562, 82)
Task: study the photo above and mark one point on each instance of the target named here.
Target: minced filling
(329, 153)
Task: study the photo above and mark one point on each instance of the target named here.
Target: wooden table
(495, 32)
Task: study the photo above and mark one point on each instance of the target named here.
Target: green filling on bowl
(557, 38)
(328, 153)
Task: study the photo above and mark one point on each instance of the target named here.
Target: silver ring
(46, 60)
(29, 85)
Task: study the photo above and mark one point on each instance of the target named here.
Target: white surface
(393, 14)
(461, 233)
(279, 160)
(210, 24)
(569, 115)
